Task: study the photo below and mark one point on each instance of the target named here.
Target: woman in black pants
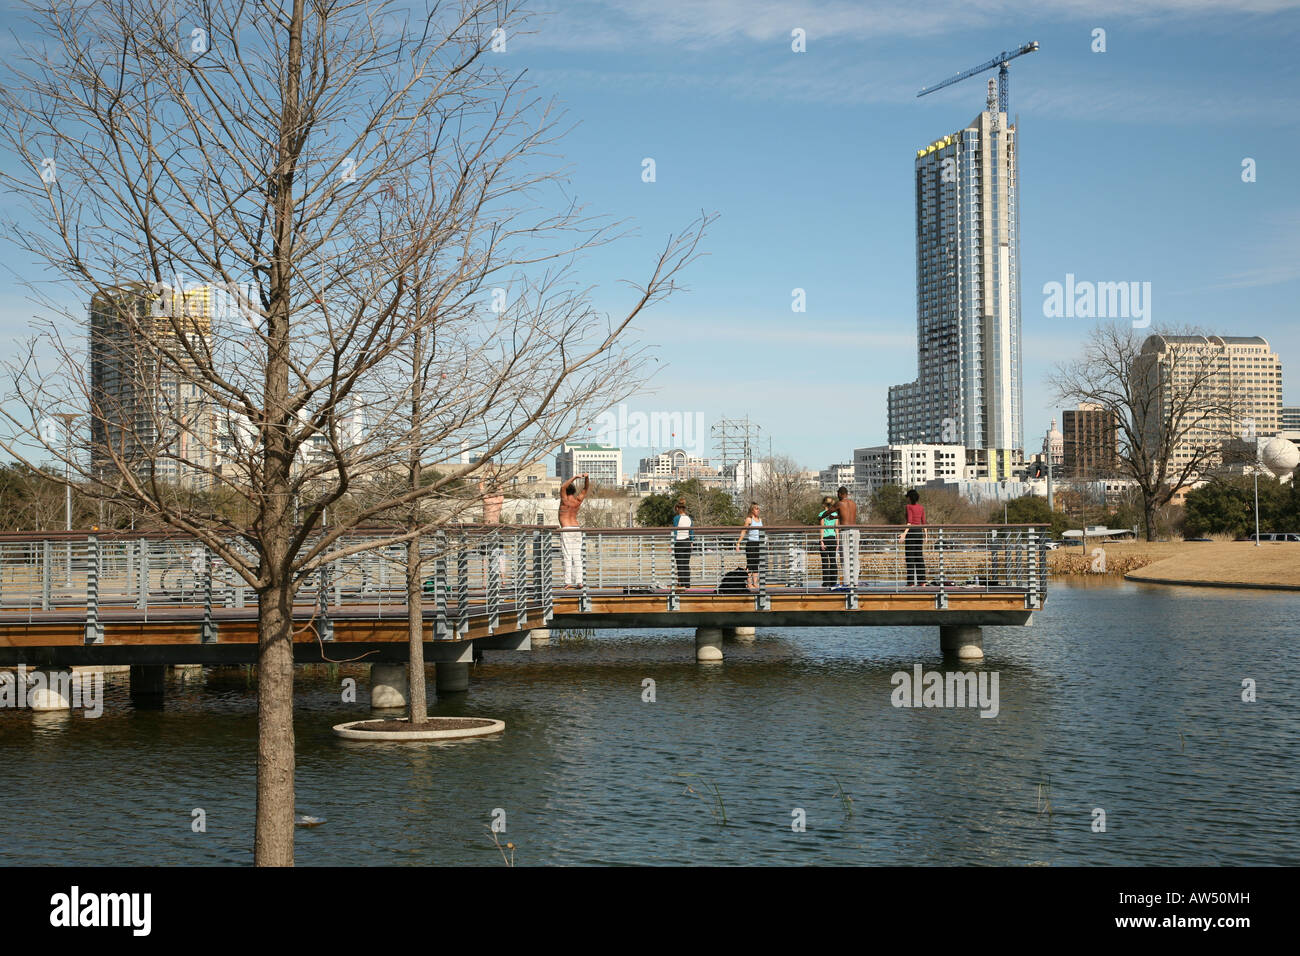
(915, 540)
(752, 539)
(682, 545)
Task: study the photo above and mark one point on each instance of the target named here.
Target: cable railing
(860, 560)
(509, 576)
(467, 575)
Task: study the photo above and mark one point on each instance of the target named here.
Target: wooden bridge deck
(165, 634)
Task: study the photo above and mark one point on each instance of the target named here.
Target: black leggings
(753, 555)
(830, 563)
(682, 555)
(914, 546)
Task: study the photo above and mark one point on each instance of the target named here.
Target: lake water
(1121, 697)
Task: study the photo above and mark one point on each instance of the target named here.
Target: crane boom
(1000, 61)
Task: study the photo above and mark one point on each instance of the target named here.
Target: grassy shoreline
(1222, 563)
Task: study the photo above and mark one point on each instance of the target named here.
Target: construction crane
(1004, 81)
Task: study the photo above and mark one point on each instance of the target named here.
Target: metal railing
(803, 560)
(512, 574)
(468, 575)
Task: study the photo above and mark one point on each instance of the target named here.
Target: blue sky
(1130, 170)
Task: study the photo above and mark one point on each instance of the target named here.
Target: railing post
(462, 587)
(537, 570)
(440, 587)
(584, 599)
(493, 596)
(548, 578)
(324, 626)
(1044, 571)
(762, 602)
(47, 560)
(941, 599)
(1034, 567)
(208, 633)
(855, 561)
(94, 630)
(142, 571)
(521, 579)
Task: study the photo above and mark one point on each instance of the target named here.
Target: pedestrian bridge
(122, 598)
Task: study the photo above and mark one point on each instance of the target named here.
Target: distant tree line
(1227, 506)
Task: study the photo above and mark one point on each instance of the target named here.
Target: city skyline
(811, 172)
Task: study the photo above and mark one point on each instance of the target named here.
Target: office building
(1089, 447)
(1240, 381)
(832, 479)
(604, 463)
(905, 465)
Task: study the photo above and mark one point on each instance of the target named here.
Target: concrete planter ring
(437, 728)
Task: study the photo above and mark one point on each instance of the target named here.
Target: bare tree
(360, 191)
(784, 494)
(1170, 399)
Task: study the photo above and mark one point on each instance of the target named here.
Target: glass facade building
(968, 386)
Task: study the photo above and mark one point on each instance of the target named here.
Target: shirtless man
(848, 515)
(570, 537)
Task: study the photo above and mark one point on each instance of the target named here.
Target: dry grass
(1210, 562)
(1229, 562)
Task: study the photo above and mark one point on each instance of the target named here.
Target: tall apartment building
(906, 465)
(147, 412)
(1245, 379)
(1089, 442)
(604, 463)
(968, 386)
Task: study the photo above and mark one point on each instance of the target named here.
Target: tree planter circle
(436, 728)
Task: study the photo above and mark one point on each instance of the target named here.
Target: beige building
(906, 465)
(1245, 381)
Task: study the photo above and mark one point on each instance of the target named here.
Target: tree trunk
(1149, 516)
(419, 707)
(273, 843)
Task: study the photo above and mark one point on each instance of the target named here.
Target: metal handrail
(510, 575)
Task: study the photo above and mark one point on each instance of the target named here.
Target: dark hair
(679, 506)
(913, 497)
(843, 492)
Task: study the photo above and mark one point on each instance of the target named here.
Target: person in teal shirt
(829, 518)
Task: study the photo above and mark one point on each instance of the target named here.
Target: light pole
(1257, 501)
(67, 418)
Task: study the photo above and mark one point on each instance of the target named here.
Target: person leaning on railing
(828, 517)
(914, 537)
